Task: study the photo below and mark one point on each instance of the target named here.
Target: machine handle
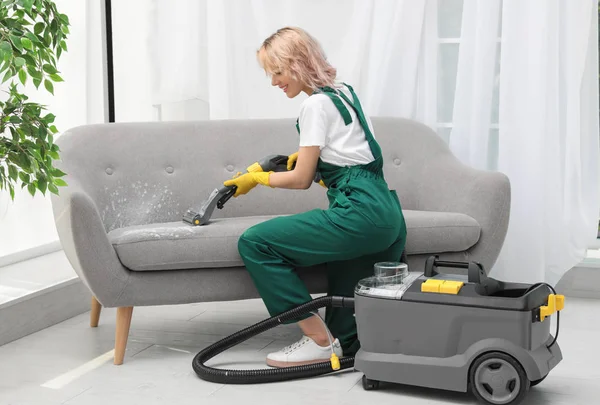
(475, 271)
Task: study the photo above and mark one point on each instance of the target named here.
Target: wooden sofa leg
(95, 314)
(122, 332)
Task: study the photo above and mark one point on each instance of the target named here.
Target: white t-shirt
(321, 124)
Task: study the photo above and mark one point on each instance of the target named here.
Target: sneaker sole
(284, 364)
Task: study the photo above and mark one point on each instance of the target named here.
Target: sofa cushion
(177, 245)
(431, 232)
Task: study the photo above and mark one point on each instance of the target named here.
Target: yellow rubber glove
(248, 181)
(291, 160)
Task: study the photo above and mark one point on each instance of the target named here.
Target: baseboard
(27, 254)
(582, 281)
(42, 309)
(39, 292)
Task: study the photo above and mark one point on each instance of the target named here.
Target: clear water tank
(390, 280)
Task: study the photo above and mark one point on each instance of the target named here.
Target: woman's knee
(250, 240)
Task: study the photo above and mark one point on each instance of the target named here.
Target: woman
(364, 223)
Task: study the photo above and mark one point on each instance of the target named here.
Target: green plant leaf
(26, 42)
(31, 188)
(18, 61)
(16, 42)
(23, 76)
(33, 72)
(60, 182)
(57, 173)
(28, 4)
(5, 66)
(55, 77)
(36, 82)
(8, 75)
(47, 39)
(42, 133)
(24, 177)
(11, 189)
(49, 86)
(13, 172)
(38, 28)
(29, 59)
(64, 18)
(53, 189)
(49, 68)
(5, 46)
(42, 185)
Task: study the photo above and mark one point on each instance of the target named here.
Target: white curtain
(205, 51)
(548, 142)
(525, 99)
(547, 125)
(470, 136)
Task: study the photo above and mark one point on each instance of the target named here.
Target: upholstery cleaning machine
(442, 330)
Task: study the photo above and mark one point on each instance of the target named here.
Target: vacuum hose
(224, 376)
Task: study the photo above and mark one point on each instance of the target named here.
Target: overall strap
(329, 92)
(356, 106)
(375, 148)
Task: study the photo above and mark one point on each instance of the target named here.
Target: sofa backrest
(140, 173)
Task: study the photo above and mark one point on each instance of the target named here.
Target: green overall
(363, 225)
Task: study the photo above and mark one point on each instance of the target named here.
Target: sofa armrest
(447, 185)
(86, 245)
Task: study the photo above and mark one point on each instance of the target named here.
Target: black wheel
(536, 382)
(497, 378)
(369, 385)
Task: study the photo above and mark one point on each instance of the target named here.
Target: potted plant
(33, 36)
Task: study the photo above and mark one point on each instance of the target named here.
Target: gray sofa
(119, 220)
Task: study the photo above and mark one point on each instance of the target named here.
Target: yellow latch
(431, 285)
(451, 287)
(555, 303)
(441, 286)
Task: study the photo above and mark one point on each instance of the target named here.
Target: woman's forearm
(302, 176)
(291, 180)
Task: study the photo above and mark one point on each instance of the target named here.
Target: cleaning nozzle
(202, 215)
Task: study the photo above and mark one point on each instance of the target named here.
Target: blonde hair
(293, 51)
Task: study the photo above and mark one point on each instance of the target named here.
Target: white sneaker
(304, 351)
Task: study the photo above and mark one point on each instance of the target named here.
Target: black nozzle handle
(274, 163)
(475, 271)
(227, 192)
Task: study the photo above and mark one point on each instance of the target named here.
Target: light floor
(71, 363)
